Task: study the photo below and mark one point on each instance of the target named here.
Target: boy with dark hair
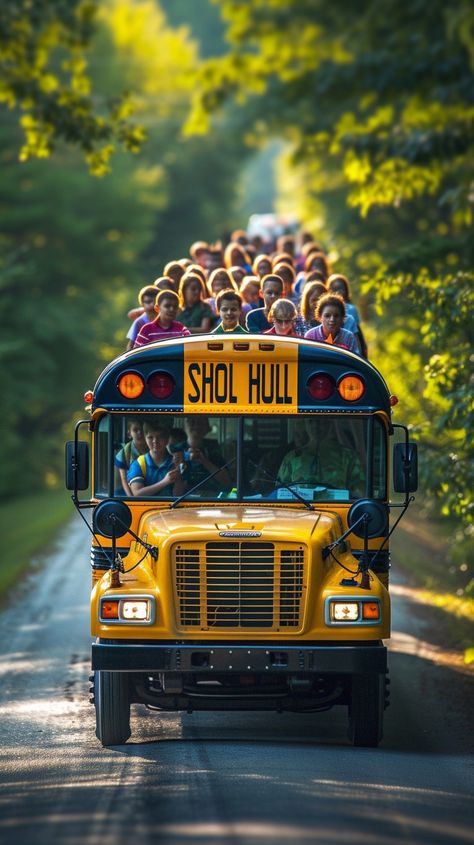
(129, 452)
(165, 326)
(229, 307)
(146, 298)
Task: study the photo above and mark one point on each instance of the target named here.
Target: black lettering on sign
(268, 384)
(212, 383)
(194, 397)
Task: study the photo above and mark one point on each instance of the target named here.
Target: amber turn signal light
(110, 610)
(131, 385)
(351, 388)
(370, 610)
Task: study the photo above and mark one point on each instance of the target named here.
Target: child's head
(191, 290)
(135, 431)
(146, 298)
(167, 304)
(237, 274)
(339, 284)
(317, 261)
(312, 293)
(283, 315)
(262, 265)
(235, 255)
(287, 273)
(164, 283)
(331, 312)
(250, 290)
(156, 436)
(229, 307)
(219, 280)
(174, 271)
(272, 289)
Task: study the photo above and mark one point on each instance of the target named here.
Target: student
(283, 315)
(178, 448)
(218, 280)
(199, 252)
(194, 313)
(287, 273)
(229, 306)
(175, 272)
(129, 452)
(272, 289)
(154, 474)
(204, 456)
(165, 326)
(331, 312)
(237, 274)
(262, 266)
(250, 293)
(312, 293)
(235, 256)
(146, 314)
(340, 284)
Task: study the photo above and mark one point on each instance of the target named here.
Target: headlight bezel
(122, 599)
(329, 611)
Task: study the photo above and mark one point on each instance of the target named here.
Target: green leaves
(44, 77)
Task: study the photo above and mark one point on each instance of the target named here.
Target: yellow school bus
(240, 560)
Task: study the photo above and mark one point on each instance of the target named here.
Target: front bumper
(208, 658)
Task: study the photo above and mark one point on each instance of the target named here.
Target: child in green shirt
(229, 307)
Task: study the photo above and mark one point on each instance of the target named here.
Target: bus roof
(240, 374)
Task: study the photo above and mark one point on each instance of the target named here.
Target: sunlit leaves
(44, 75)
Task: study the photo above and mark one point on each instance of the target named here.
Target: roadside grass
(439, 572)
(28, 525)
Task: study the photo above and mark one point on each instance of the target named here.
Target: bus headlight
(138, 610)
(128, 610)
(344, 611)
(352, 611)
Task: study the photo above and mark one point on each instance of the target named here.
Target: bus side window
(102, 474)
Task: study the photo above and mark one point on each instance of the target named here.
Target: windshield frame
(105, 426)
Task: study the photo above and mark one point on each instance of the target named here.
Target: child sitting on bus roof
(165, 326)
(229, 307)
(272, 289)
(283, 315)
(331, 312)
(146, 298)
(196, 314)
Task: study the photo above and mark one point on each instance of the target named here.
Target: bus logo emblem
(240, 533)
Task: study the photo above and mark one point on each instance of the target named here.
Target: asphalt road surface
(223, 779)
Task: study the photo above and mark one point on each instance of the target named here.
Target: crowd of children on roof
(283, 288)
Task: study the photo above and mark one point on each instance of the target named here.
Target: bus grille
(237, 585)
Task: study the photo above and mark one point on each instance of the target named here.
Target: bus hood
(240, 523)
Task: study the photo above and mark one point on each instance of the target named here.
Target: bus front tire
(366, 710)
(112, 707)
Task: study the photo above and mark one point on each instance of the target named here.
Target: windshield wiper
(279, 485)
(201, 482)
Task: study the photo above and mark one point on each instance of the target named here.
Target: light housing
(161, 385)
(320, 386)
(352, 610)
(131, 385)
(127, 610)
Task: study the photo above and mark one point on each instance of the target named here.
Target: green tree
(44, 77)
(375, 102)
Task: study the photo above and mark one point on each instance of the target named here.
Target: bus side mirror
(77, 465)
(405, 468)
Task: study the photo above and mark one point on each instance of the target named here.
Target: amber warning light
(88, 396)
(131, 385)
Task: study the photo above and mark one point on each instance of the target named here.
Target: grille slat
(239, 585)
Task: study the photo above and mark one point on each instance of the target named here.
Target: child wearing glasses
(283, 315)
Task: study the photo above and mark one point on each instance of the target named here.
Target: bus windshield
(321, 458)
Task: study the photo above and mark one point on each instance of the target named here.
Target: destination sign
(240, 384)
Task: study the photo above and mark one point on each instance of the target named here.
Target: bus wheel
(366, 710)
(112, 707)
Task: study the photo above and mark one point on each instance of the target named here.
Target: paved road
(224, 779)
